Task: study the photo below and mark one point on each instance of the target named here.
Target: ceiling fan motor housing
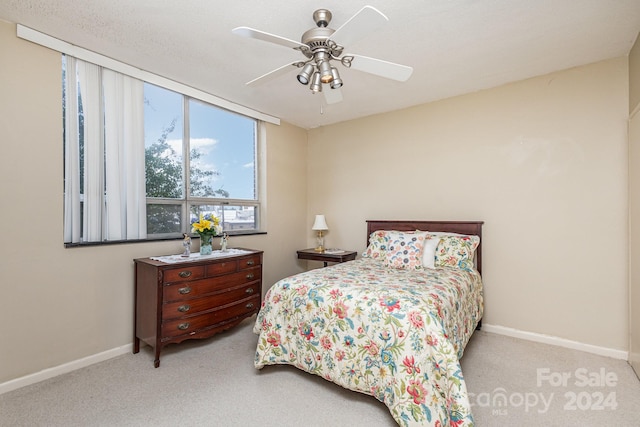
(316, 38)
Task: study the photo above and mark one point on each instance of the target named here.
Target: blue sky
(225, 139)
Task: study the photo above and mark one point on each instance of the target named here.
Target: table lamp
(320, 225)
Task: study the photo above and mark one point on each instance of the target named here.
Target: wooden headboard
(460, 227)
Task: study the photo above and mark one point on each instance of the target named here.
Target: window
(143, 162)
(200, 159)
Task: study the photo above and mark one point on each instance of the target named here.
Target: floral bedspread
(395, 334)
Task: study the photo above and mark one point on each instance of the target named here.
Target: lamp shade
(320, 223)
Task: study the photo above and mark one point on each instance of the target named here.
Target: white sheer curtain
(113, 195)
(124, 151)
(72, 198)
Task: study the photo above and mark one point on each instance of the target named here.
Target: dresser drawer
(195, 305)
(187, 290)
(221, 268)
(184, 273)
(249, 262)
(190, 325)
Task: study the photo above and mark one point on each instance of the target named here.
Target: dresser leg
(136, 345)
(156, 363)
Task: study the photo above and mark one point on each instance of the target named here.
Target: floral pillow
(377, 248)
(456, 251)
(404, 249)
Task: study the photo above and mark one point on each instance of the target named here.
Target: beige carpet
(213, 383)
(544, 385)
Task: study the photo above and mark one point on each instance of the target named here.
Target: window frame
(188, 201)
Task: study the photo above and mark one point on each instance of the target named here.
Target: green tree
(163, 174)
(163, 170)
(199, 177)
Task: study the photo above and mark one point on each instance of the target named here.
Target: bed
(392, 324)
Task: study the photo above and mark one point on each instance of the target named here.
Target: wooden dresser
(194, 299)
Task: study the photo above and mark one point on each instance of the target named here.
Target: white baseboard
(557, 341)
(63, 369)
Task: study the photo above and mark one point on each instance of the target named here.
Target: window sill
(160, 239)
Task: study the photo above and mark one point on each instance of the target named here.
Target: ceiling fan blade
(366, 20)
(273, 74)
(252, 33)
(331, 96)
(379, 67)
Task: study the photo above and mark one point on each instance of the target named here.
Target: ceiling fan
(322, 45)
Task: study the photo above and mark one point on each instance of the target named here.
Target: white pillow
(429, 252)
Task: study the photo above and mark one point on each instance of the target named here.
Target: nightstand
(311, 254)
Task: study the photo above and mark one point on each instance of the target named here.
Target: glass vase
(205, 244)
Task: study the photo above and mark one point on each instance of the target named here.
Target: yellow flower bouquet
(206, 227)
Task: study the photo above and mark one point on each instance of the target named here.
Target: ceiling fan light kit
(305, 75)
(336, 81)
(322, 45)
(316, 83)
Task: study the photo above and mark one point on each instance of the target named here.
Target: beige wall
(60, 305)
(543, 162)
(634, 207)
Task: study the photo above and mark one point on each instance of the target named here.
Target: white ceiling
(454, 46)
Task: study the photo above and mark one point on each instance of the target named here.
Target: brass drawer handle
(249, 306)
(185, 274)
(250, 262)
(249, 291)
(185, 290)
(183, 326)
(184, 308)
(250, 276)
